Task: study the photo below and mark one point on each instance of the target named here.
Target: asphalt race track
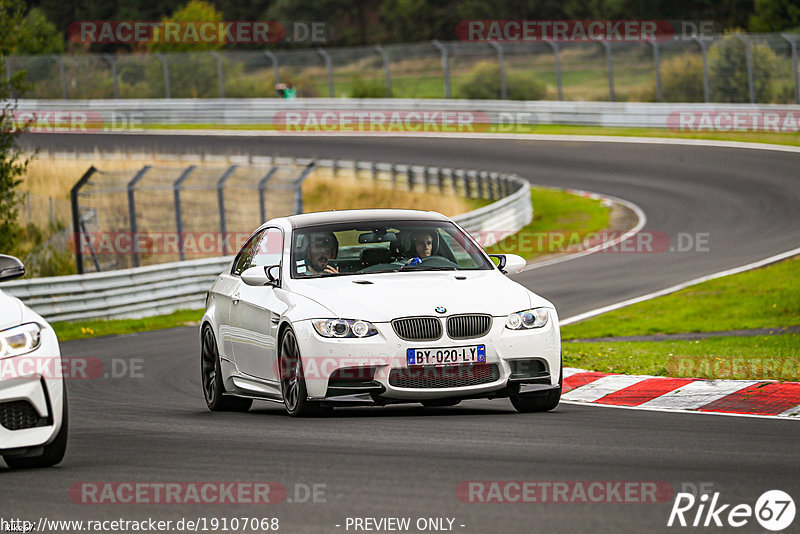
(407, 461)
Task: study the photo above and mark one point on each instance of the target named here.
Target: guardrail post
(502, 64)
(445, 66)
(793, 44)
(387, 71)
(657, 67)
(76, 217)
(749, 58)
(329, 68)
(440, 179)
(132, 210)
(557, 64)
(394, 175)
(165, 67)
(410, 177)
(610, 69)
(467, 184)
(220, 74)
(113, 62)
(274, 60)
(298, 188)
(62, 74)
(704, 52)
(223, 228)
(176, 193)
(374, 170)
(262, 187)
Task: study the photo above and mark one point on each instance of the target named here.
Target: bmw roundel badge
(440, 309)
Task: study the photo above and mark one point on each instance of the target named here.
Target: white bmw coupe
(372, 307)
(33, 400)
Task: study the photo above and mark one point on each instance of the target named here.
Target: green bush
(483, 82)
(682, 79)
(727, 66)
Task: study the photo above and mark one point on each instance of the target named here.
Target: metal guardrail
(247, 73)
(499, 112)
(164, 288)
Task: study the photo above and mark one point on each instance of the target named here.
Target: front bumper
(31, 396)
(369, 367)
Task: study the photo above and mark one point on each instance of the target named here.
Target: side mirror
(10, 268)
(510, 263)
(262, 275)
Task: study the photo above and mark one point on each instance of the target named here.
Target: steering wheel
(444, 261)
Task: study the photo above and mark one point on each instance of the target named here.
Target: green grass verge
(768, 297)
(94, 328)
(556, 214)
(755, 357)
(791, 139)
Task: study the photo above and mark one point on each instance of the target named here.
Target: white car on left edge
(33, 401)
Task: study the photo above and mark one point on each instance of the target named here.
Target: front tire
(293, 383)
(541, 402)
(53, 452)
(211, 375)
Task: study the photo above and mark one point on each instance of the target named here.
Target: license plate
(447, 356)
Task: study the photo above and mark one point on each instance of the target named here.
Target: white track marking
(697, 394)
(792, 412)
(569, 371)
(602, 387)
(678, 411)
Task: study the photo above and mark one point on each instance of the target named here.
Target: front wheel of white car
(53, 452)
(293, 383)
(538, 402)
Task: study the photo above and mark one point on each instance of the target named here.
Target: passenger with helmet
(319, 250)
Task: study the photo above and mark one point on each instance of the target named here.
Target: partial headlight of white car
(20, 340)
(344, 328)
(527, 319)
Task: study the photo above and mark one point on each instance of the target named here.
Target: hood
(383, 297)
(10, 311)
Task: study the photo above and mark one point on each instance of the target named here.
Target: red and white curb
(732, 397)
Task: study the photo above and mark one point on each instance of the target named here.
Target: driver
(321, 248)
(422, 243)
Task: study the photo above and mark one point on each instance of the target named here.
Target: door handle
(236, 298)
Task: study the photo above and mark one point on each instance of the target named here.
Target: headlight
(527, 319)
(20, 340)
(344, 328)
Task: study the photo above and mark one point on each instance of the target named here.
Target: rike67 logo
(774, 510)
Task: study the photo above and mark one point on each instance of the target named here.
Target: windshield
(383, 246)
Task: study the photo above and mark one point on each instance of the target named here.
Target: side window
(269, 250)
(243, 258)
